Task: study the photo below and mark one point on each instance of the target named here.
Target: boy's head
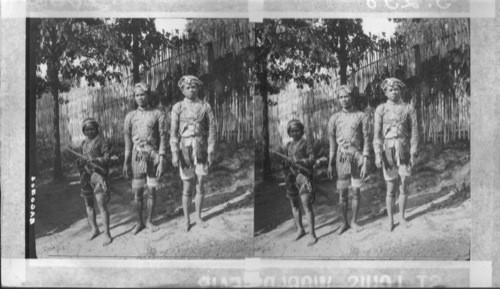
(393, 88)
(295, 129)
(141, 94)
(90, 128)
(345, 96)
(190, 86)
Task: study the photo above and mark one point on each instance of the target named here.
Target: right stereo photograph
(363, 148)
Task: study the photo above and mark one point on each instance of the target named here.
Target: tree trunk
(266, 160)
(135, 52)
(343, 54)
(57, 174)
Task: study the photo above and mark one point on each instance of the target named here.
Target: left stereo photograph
(140, 138)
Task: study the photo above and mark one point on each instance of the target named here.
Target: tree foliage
(141, 39)
(76, 49)
(449, 74)
(72, 50)
(292, 49)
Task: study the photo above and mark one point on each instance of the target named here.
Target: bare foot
(107, 240)
(138, 227)
(299, 234)
(343, 228)
(391, 226)
(151, 228)
(357, 228)
(405, 223)
(93, 233)
(200, 222)
(312, 239)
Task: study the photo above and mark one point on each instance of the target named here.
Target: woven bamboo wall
(233, 111)
(445, 119)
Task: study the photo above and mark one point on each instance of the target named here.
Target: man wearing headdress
(349, 138)
(395, 144)
(145, 146)
(192, 141)
(94, 185)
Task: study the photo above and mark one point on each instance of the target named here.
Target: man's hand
(125, 170)
(364, 170)
(210, 159)
(332, 174)
(159, 170)
(175, 159)
(413, 160)
(378, 161)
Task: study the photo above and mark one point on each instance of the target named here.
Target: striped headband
(391, 82)
(141, 86)
(187, 79)
(345, 89)
(89, 121)
(294, 122)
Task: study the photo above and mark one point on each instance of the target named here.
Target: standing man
(145, 145)
(192, 140)
(395, 144)
(348, 134)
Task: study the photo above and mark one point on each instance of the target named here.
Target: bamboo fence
(442, 119)
(232, 104)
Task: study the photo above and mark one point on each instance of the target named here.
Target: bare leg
(356, 203)
(139, 225)
(343, 209)
(186, 201)
(150, 206)
(297, 217)
(91, 218)
(403, 197)
(101, 201)
(308, 210)
(389, 201)
(198, 201)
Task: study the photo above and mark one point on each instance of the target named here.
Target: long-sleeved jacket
(145, 126)
(97, 149)
(349, 128)
(301, 150)
(190, 119)
(396, 120)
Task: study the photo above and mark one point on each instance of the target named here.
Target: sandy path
(62, 227)
(437, 208)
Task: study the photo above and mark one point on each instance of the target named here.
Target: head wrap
(141, 86)
(391, 82)
(89, 121)
(345, 89)
(292, 123)
(187, 79)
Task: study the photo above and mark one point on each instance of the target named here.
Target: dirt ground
(438, 208)
(62, 228)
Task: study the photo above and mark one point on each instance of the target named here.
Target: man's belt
(187, 150)
(194, 135)
(391, 154)
(145, 152)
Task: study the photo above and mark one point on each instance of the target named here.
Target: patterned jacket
(97, 149)
(301, 150)
(145, 126)
(190, 119)
(349, 129)
(396, 121)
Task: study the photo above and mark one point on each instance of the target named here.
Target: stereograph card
(268, 143)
